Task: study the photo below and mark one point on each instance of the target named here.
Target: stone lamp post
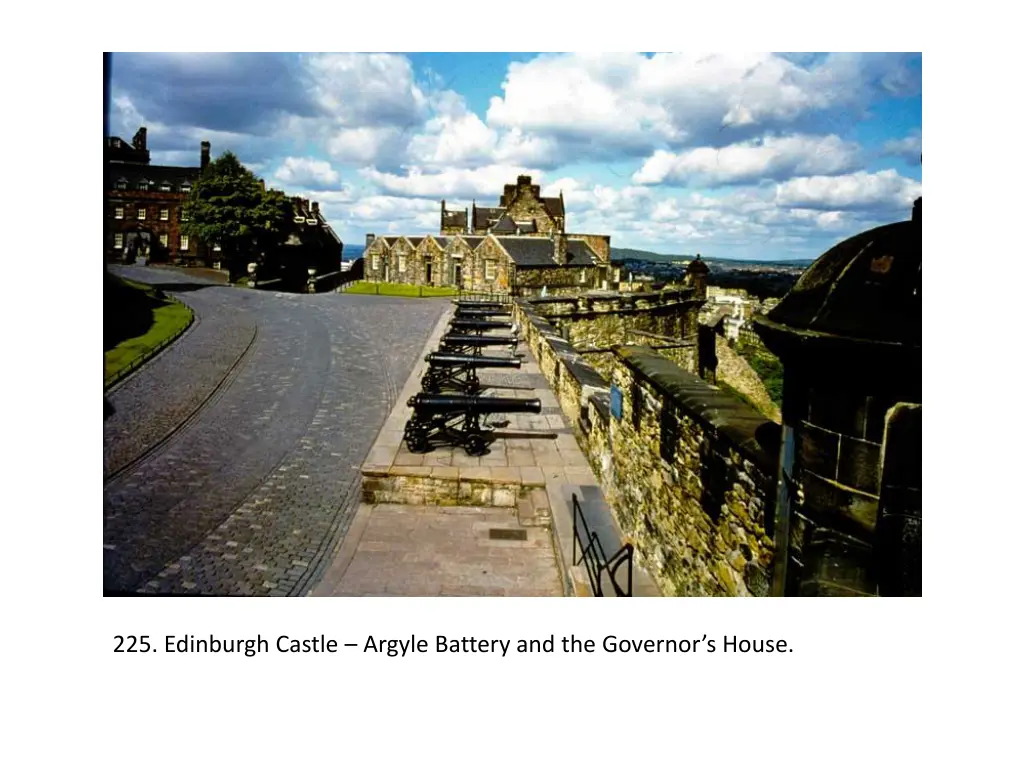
(848, 508)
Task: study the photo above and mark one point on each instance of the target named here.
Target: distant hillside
(662, 258)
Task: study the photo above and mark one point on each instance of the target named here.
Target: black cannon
(458, 373)
(472, 344)
(455, 420)
(482, 312)
(472, 324)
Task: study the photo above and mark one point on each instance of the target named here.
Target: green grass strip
(169, 321)
(399, 289)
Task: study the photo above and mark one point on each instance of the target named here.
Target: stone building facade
(519, 247)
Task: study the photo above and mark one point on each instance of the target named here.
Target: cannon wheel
(416, 440)
(476, 445)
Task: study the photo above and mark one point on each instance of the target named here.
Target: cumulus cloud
(485, 182)
(884, 190)
(635, 104)
(908, 148)
(307, 171)
(752, 161)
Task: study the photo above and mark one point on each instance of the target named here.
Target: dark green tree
(230, 206)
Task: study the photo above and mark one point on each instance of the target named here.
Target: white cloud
(486, 182)
(632, 103)
(748, 162)
(908, 148)
(885, 190)
(307, 171)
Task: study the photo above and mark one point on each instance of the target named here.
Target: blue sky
(729, 155)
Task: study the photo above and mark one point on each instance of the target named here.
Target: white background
(870, 682)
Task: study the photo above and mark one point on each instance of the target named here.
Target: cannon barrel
(474, 324)
(458, 340)
(440, 404)
(442, 360)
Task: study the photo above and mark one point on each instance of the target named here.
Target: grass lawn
(151, 323)
(398, 289)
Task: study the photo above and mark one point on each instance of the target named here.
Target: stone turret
(204, 154)
(848, 512)
(697, 276)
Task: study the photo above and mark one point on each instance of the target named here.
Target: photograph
(512, 324)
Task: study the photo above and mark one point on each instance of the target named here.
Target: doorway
(458, 276)
(430, 273)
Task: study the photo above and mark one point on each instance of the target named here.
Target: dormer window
(311, 221)
(186, 187)
(165, 186)
(121, 184)
(144, 186)
(299, 219)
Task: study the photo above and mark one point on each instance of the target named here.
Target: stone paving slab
(442, 551)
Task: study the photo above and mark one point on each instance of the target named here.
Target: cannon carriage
(455, 419)
(471, 344)
(464, 325)
(458, 373)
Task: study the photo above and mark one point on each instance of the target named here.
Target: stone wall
(687, 468)
(737, 373)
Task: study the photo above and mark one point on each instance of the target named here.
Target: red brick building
(144, 203)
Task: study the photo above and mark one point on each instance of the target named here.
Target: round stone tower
(849, 337)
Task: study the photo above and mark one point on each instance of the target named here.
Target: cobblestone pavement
(257, 485)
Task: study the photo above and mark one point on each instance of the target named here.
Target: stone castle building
(520, 247)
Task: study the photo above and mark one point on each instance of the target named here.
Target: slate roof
(441, 241)
(579, 254)
(415, 241)
(156, 174)
(529, 251)
(455, 219)
(482, 216)
(474, 240)
(505, 224)
(554, 206)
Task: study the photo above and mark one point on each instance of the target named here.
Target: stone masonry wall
(688, 469)
(737, 373)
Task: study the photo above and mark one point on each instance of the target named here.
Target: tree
(230, 207)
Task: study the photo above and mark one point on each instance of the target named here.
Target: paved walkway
(396, 549)
(231, 460)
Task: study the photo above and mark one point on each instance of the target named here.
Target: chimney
(316, 208)
(560, 246)
(139, 140)
(369, 239)
(204, 154)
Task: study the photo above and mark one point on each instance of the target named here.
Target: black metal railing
(593, 557)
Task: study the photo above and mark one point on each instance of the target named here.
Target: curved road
(231, 460)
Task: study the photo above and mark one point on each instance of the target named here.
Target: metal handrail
(594, 559)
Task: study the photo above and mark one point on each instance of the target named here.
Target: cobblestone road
(231, 460)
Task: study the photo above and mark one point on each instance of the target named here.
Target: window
(121, 184)
(401, 262)
(186, 188)
(165, 214)
(184, 242)
(141, 214)
(184, 215)
(490, 269)
(376, 262)
(165, 186)
(143, 186)
(163, 240)
(119, 212)
(216, 246)
(583, 276)
(118, 240)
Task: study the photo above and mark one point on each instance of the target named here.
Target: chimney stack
(369, 239)
(139, 140)
(204, 154)
(316, 207)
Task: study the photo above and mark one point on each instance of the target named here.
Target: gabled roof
(392, 239)
(415, 241)
(554, 205)
(473, 240)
